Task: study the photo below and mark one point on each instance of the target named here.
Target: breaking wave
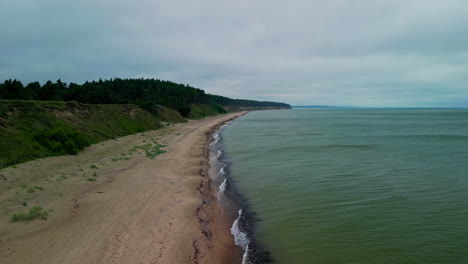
(222, 188)
(241, 238)
(221, 172)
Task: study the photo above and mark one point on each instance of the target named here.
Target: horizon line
(401, 107)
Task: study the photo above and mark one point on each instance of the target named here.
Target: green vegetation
(151, 149)
(93, 166)
(167, 115)
(24, 203)
(34, 129)
(57, 118)
(35, 212)
(62, 140)
(146, 93)
(91, 179)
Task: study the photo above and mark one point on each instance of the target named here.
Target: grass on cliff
(32, 129)
(62, 140)
(35, 129)
(200, 111)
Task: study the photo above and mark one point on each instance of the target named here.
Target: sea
(346, 185)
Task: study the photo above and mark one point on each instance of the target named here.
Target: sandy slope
(138, 211)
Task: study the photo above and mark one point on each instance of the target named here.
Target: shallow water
(354, 185)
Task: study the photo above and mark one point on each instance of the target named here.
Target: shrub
(35, 212)
(62, 140)
(151, 150)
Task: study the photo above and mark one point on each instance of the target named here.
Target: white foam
(220, 152)
(225, 125)
(222, 188)
(221, 172)
(216, 138)
(240, 238)
(245, 257)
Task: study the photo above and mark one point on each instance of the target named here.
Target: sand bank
(112, 204)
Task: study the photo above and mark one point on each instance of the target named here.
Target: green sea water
(363, 186)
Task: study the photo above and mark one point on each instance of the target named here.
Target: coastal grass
(200, 111)
(36, 129)
(151, 149)
(35, 212)
(31, 189)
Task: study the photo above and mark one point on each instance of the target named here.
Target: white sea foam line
(221, 171)
(222, 188)
(245, 257)
(240, 238)
(216, 138)
(214, 142)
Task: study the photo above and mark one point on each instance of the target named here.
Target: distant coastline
(321, 106)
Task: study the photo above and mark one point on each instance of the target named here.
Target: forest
(145, 93)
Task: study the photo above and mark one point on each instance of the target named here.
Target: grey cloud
(338, 52)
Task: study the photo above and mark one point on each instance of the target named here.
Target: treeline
(145, 93)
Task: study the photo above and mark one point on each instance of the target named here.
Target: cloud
(337, 52)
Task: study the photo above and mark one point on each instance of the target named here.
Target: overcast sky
(309, 52)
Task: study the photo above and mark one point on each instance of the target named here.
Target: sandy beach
(113, 204)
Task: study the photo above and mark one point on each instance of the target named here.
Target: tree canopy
(143, 92)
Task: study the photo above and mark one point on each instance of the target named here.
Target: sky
(398, 53)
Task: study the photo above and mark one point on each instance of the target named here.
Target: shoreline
(209, 213)
(215, 225)
(136, 210)
(235, 211)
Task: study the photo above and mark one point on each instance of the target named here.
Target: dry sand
(137, 211)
